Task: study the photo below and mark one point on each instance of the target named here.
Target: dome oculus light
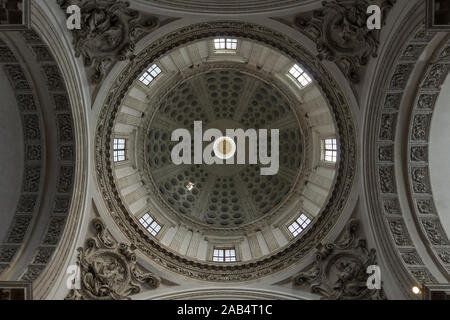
(224, 148)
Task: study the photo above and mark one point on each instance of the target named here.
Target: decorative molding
(340, 269)
(36, 154)
(231, 7)
(109, 32)
(424, 211)
(389, 214)
(34, 148)
(417, 154)
(50, 281)
(386, 109)
(340, 32)
(108, 269)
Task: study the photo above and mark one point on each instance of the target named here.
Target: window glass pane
(150, 224)
(300, 75)
(330, 150)
(299, 225)
(119, 150)
(150, 74)
(224, 255)
(225, 44)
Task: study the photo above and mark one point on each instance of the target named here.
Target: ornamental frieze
(49, 82)
(401, 76)
(420, 125)
(33, 150)
(399, 233)
(387, 129)
(417, 156)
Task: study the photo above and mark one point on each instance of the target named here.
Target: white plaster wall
(439, 154)
(11, 154)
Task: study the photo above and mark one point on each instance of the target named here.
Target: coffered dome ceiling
(232, 195)
(201, 206)
(89, 176)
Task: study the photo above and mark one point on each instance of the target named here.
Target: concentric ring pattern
(224, 196)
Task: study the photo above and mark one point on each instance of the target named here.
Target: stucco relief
(65, 142)
(393, 101)
(33, 149)
(36, 154)
(387, 180)
(420, 127)
(109, 31)
(401, 76)
(108, 270)
(399, 233)
(340, 32)
(387, 129)
(339, 272)
(411, 258)
(420, 187)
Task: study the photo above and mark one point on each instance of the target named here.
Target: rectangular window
(150, 74)
(300, 75)
(224, 255)
(299, 225)
(150, 224)
(119, 150)
(225, 44)
(329, 150)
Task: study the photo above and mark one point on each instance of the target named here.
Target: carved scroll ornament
(109, 32)
(339, 272)
(340, 31)
(108, 269)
